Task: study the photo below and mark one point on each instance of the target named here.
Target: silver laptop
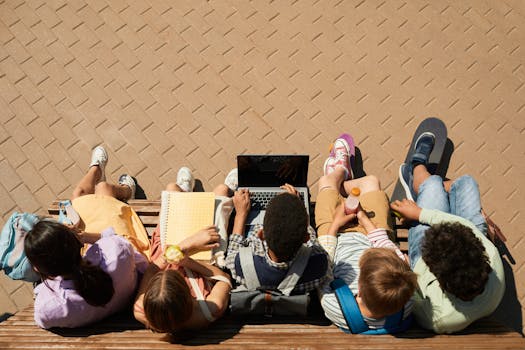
(263, 175)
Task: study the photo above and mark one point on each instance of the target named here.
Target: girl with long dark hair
(78, 290)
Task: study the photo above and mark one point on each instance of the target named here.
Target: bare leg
(333, 180)
(222, 190)
(366, 184)
(121, 192)
(172, 186)
(420, 175)
(87, 183)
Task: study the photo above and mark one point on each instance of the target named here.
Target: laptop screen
(272, 170)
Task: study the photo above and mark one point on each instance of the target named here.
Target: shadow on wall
(509, 310)
(5, 316)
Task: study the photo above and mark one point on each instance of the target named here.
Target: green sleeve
(433, 216)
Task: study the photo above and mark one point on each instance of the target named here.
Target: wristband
(173, 254)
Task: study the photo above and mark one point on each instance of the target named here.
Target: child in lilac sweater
(79, 290)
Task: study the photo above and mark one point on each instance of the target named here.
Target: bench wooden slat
(121, 331)
(150, 208)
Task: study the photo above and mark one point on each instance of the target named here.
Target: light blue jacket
(13, 259)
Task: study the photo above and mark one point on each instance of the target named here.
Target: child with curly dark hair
(457, 258)
(460, 273)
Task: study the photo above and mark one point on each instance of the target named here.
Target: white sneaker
(99, 157)
(232, 180)
(127, 180)
(185, 179)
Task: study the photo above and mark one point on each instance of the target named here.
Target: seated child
(455, 288)
(275, 245)
(362, 255)
(101, 204)
(79, 290)
(185, 294)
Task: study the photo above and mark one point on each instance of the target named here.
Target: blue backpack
(354, 319)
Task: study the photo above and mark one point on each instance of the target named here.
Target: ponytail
(54, 250)
(93, 284)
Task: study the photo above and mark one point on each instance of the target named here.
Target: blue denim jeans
(462, 200)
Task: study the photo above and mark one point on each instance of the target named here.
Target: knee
(370, 183)
(222, 190)
(465, 184)
(78, 192)
(466, 180)
(103, 188)
(431, 181)
(372, 180)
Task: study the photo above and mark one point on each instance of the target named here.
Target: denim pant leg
(432, 195)
(465, 201)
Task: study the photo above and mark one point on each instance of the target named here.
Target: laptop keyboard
(260, 200)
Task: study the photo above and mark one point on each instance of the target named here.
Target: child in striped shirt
(361, 253)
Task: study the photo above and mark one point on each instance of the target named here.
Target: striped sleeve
(379, 239)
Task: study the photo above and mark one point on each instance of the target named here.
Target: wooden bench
(122, 331)
(148, 211)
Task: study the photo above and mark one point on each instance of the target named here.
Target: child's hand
(290, 189)
(365, 221)
(75, 228)
(341, 219)
(206, 239)
(241, 202)
(407, 208)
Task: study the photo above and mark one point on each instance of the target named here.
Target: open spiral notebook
(184, 213)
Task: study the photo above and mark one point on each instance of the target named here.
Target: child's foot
(423, 147)
(407, 181)
(232, 180)
(349, 141)
(126, 180)
(185, 179)
(99, 157)
(342, 157)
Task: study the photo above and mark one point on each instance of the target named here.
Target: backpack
(354, 319)
(251, 299)
(13, 259)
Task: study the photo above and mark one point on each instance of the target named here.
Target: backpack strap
(248, 268)
(349, 307)
(354, 319)
(200, 297)
(295, 270)
(393, 324)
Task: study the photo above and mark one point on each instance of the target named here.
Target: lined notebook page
(183, 214)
